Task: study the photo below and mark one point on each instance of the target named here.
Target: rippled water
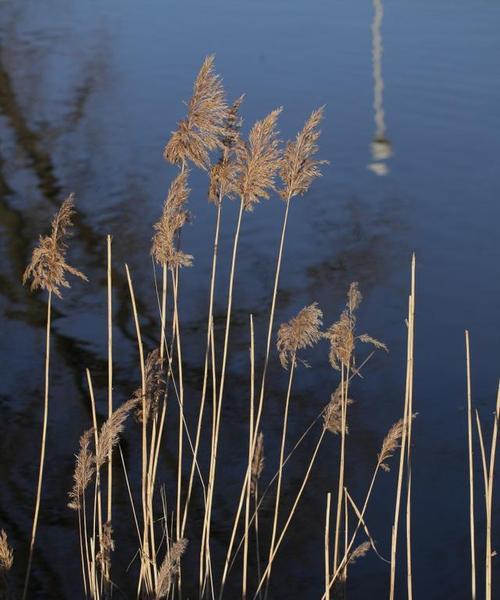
(89, 93)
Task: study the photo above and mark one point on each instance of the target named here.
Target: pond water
(89, 93)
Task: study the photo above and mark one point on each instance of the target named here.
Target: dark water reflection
(88, 95)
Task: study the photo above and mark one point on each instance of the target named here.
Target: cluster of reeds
(248, 170)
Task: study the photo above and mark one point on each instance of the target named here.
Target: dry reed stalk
(343, 432)
(365, 528)
(166, 253)
(250, 457)
(131, 498)
(331, 422)
(82, 476)
(257, 467)
(342, 338)
(327, 545)
(389, 446)
(405, 449)
(110, 373)
(301, 332)
(291, 513)
(490, 472)
(222, 184)
(175, 280)
(256, 164)
(297, 169)
(411, 333)
(205, 368)
(145, 564)
(97, 514)
(47, 270)
(346, 535)
(471, 468)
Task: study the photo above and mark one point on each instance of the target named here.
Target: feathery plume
(342, 334)
(174, 216)
(204, 127)
(257, 463)
(6, 562)
(332, 415)
(170, 568)
(232, 124)
(48, 267)
(298, 168)
(6, 554)
(359, 552)
(84, 470)
(110, 431)
(257, 161)
(300, 332)
(391, 444)
(223, 174)
(155, 386)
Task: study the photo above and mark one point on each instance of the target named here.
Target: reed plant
(247, 169)
(48, 270)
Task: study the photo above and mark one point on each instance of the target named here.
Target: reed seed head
(258, 160)
(204, 127)
(155, 386)
(359, 552)
(84, 470)
(6, 554)
(111, 430)
(48, 267)
(170, 568)
(258, 462)
(299, 168)
(303, 331)
(164, 248)
(332, 415)
(342, 334)
(391, 444)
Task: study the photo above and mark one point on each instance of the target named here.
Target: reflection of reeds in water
(381, 147)
(246, 170)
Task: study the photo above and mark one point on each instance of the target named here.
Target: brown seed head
(48, 267)
(257, 463)
(341, 334)
(300, 332)
(258, 161)
(391, 444)
(6, 554)
(359, 552)
(298, 167)
(110, 431)
(84, 470)
(204, 127)
(332, 415)
(155, 386)
(224, 173)
(164, 248)
(170, 568)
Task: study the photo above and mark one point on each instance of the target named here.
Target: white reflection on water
(381, 147)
